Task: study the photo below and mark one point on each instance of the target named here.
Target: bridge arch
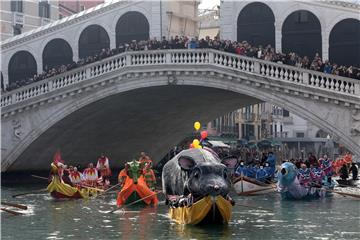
(92, 40)
(301, 33)
(344, 42)
(255, 24)
(237, 93)
(22, 65)
(56, 53)
(132, 25)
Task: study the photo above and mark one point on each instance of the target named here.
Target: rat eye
(196, 174)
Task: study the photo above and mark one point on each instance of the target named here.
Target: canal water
(257, 217)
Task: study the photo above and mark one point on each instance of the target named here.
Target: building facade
(17, 17)
(70, 7)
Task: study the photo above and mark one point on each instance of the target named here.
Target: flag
(57, 158)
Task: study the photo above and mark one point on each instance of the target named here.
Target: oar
(107, 190)
(344, 194)
(342, 185)
(139, 200)
(40, 177)
(92, 188)
(14, 205)
(33, 192)
(11, 211)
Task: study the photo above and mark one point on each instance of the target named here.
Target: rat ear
(230, 161)
(186, 163)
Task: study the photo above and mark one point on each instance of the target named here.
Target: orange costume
(141, 188)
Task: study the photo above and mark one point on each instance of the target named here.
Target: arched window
(22, 65)
(301, 33)
(92, 40)
(255, 25)
(132, 26)
(57, 52)
(344, 43)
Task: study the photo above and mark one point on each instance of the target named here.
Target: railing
(274, 71)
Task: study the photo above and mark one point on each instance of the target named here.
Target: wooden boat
(207, 210)
(60, 190)
(249, 186)
(345, 183)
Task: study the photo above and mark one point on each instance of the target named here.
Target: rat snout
(283, 171)
(216, 187)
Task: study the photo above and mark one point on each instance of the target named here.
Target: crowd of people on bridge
(244, 48)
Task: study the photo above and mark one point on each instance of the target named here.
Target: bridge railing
(210, 57)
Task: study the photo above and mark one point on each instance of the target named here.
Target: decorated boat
(210, 209)
(60, 190)
(249, 186)
(291, 189)
(134, 187)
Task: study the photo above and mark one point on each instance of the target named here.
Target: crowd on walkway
(244, 48)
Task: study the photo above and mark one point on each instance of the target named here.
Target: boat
(210, 209)
(346, 183)
(249, 186)
(135, 187)
(290, 188)
(60, 190)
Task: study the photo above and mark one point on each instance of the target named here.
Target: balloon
(191, 145)
(204, 134)
(197, 126)
(198, 146)
(196, 143)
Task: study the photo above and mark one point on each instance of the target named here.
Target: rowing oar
(27, 193)
(11, 211)
(107, 190)
(342, 193)
(92, 188)
(139, 200)
(15, 205)
(40, 177)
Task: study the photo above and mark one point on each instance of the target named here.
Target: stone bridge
(148, 101)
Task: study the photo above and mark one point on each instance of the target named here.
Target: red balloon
(204, 134)
(191, 145)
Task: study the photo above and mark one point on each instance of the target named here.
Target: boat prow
(60, 190)
(216, 210)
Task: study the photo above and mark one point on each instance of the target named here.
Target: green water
(331, 218)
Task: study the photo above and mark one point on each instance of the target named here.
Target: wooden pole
(14, 205)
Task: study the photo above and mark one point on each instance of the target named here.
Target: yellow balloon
(198, 146)
(197, 126)
(196, 143)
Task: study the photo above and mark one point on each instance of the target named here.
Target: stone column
(278, 35)
(325, 44)
(39, 64)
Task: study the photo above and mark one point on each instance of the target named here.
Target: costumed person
(344, 175)
(261, 174)
(269, 172)
(326, 166)
(149, 176)
(90, 175)
(271, 159)
(123, 175)
(104, 168)
(304, 175)
(316, 175)
(144, 159)
(241, 170)
(76, 177)
(354, 170)
(65, 178)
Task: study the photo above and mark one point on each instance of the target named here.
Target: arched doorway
(255, 25)
(132, 26)
(301, 33)
(22, 65)
(344, 43)
(57, 52)
(92, 40)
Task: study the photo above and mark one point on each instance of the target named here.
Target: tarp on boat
(198, 211)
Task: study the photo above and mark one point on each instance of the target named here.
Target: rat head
(287, 174)
(134, 170)
(205, 178)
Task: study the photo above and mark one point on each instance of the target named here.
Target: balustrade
(274, 71)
